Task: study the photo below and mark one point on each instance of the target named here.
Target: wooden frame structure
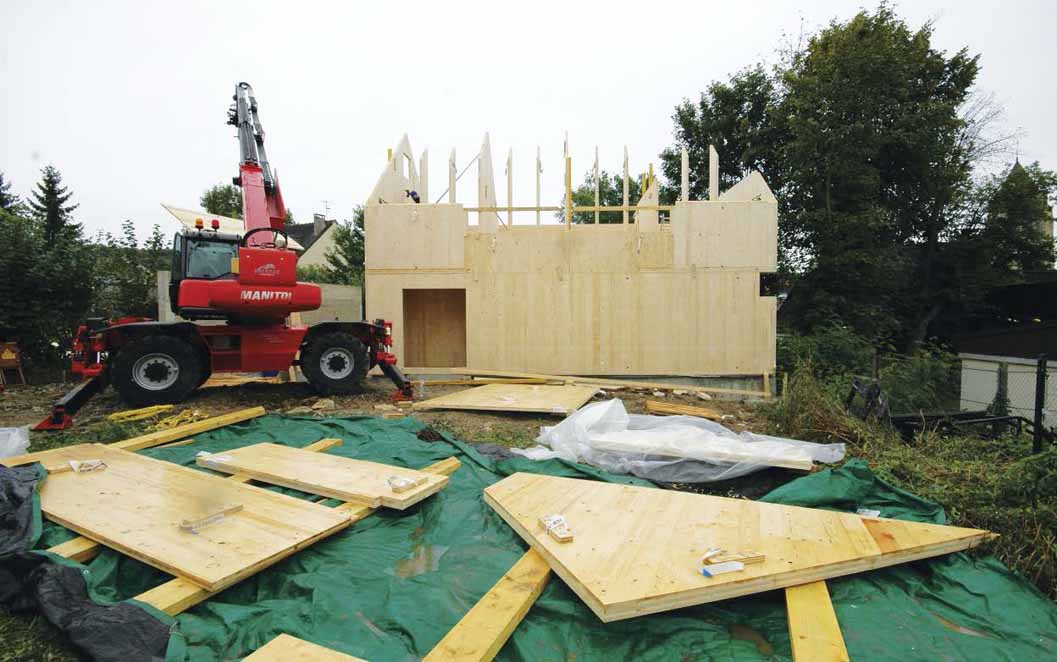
(635, 298)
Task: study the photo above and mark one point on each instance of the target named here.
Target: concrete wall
(340, 302)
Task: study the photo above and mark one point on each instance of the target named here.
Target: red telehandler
(249, 282)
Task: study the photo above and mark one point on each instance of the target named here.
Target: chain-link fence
(1008, 386)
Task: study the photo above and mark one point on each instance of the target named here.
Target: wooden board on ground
(814, 633)
(189, 430)
(136, 505)
(514, 397)
(285, 648)
(676, 409)
(238, 379)
(479, 635)
(637, 550)
(327, 475)
(612, 383)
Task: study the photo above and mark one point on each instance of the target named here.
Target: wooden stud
(481, 633)
(814, 632)
(285, 648)
(626, 187)
(568, 193)
(597, 202)
(539, 172)
(178, 595)
(713, 174)
(423, 176)
(510, 187)
(684, 171)
(486, 222)
(452, 177)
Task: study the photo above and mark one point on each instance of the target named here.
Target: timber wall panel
(591, 300)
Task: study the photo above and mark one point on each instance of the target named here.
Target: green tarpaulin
(392, 585)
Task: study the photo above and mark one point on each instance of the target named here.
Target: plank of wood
(326, 475)
(814, 632)
(188, 430)
(481, 381)
(178, 595)
(83, 549)
(674, 408)
(637, 549)
(136, 504)
(286, 648)
(484, 629)
(599, 381)
(514, 397)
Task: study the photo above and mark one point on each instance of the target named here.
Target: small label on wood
(714, 569)
(79, 466)
(557, 527)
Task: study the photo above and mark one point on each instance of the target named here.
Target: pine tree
(8, 201)
(49, 205)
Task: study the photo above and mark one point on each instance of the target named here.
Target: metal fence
(1007, 386)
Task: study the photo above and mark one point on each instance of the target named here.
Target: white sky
(129, 99)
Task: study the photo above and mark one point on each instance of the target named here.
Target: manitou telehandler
(248, 282)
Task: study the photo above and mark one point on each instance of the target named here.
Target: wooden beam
(624, 202)
(814, 633)
(713, 174)
(83, 549)
(684, 172)
(539, 171)
(188, 430)
(481, 633)
(568, 192)
(599, 381)
(658, 407)
(178, 595)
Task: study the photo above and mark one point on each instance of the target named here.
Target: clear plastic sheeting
(683, 449)
(14, 441)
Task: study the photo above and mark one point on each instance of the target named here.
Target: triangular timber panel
(637, 550)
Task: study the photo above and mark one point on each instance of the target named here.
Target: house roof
(304, 233)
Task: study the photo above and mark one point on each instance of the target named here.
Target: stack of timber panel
(152, 498)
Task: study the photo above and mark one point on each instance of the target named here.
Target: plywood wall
(594, 299)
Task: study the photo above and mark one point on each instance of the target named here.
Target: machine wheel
(335, 363)
(155, 370)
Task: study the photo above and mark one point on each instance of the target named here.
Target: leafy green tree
(868, 136)
(222, 200)
(49, 205)
(127, 273)
(610, 194)
(743, 119)
(8, 201)
(1018, 231)
(46, 287)
(345, 258)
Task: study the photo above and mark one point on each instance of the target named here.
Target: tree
(127, 273)
(610, 194)
(1018, 231)
(742, 118)
(868, 136)
(223, 200)
(8, 201)
(49, 205)
(345, 258)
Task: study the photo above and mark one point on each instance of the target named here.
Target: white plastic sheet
(669, 448)
(14, 441)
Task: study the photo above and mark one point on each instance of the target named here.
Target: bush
(923, 382)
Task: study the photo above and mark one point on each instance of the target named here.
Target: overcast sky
(129, 99)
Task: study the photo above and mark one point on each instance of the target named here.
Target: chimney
(319, 224)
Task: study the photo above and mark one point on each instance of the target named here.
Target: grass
(993, 484)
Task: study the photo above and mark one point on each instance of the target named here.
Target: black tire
(156, 370)
(335, 363)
